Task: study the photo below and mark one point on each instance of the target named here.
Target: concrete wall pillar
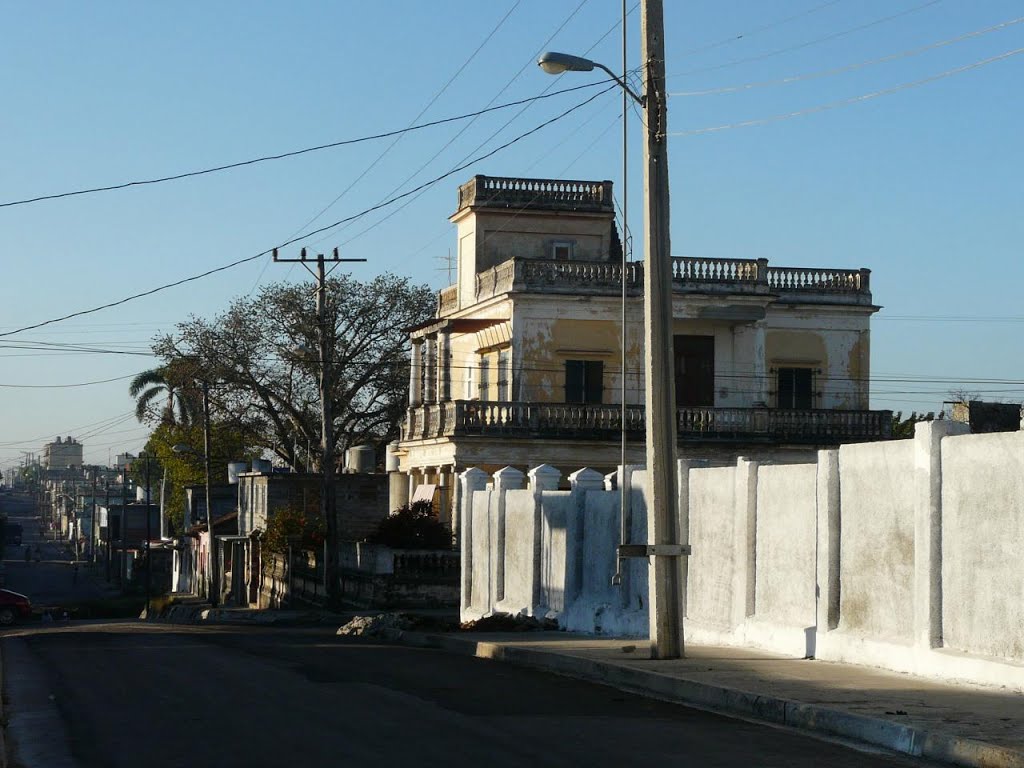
(683, 467)
(928, 528)
(542, 478)
(580, 482)
(745, 528)
(826, 587)
(470, 481)
(507, 479)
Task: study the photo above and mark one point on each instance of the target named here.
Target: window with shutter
(584, 381)
(795, 388)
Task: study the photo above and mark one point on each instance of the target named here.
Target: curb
(898, 737)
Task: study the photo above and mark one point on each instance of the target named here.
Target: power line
(765, 27)
(423, 111)
(815, 41)
(294, 153)
(466, 127)
(847, 102)
(849, 67)
(247, 259)
(67, 386)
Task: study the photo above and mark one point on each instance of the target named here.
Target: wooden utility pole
(325, 322)
(666, 594)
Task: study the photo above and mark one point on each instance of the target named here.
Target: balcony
(466, 418)
(689, 275)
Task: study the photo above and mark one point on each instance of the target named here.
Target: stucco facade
(528, 353)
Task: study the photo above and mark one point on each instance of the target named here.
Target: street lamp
(556, 63)
(668, 591)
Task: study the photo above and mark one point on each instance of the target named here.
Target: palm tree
(180, 406)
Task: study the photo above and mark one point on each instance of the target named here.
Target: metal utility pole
(106, 486)
(325, 340)
(149, 543)
(122, 567)
(214, 590)
(663, 519)
(94, 528)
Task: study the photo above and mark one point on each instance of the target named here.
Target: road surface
(130, 694)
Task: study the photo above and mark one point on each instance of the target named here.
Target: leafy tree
(257, 357)
(903, 428)
(227, 444)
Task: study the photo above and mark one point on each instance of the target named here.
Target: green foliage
(291, 526)
(413, 526)
(260, 357)
(904, 428)
(227, 444)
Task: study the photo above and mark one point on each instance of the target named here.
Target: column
(416, 374)
(430, 378)
(444, 363)
(759, 358)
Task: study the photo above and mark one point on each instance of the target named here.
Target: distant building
(987, 417)
(62, 454)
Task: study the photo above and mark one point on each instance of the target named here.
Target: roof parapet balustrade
(538, 194)
(689, 275)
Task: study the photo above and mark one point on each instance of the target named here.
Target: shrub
(413, 526)
(290, 525)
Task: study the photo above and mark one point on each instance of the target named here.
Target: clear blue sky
(923, 185)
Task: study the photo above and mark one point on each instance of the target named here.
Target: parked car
(13, 606)
(13, 533)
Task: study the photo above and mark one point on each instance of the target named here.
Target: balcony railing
(553, 420)
(689, 275)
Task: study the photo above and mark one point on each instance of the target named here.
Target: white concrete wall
(901, 554)
(785, 545)
(983, 544)
(709, 595)
(877, 539)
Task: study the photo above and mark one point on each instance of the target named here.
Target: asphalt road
(130, 694)
(55, 579)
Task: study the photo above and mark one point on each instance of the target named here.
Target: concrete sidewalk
(962, 725)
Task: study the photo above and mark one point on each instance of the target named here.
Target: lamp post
(667, 589)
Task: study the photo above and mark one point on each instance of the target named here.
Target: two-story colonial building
(528, 362)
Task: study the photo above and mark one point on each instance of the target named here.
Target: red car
(13, 605)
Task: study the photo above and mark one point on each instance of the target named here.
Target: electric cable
(808, 43)
(293, 153)
(247, 259)
(847, 102)
(849, 67)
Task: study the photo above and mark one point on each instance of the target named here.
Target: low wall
(901, 554)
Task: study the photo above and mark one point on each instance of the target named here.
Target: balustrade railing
(691, 269)
(741, 275)
(793, 279)
(539, 420)
(541, 193)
